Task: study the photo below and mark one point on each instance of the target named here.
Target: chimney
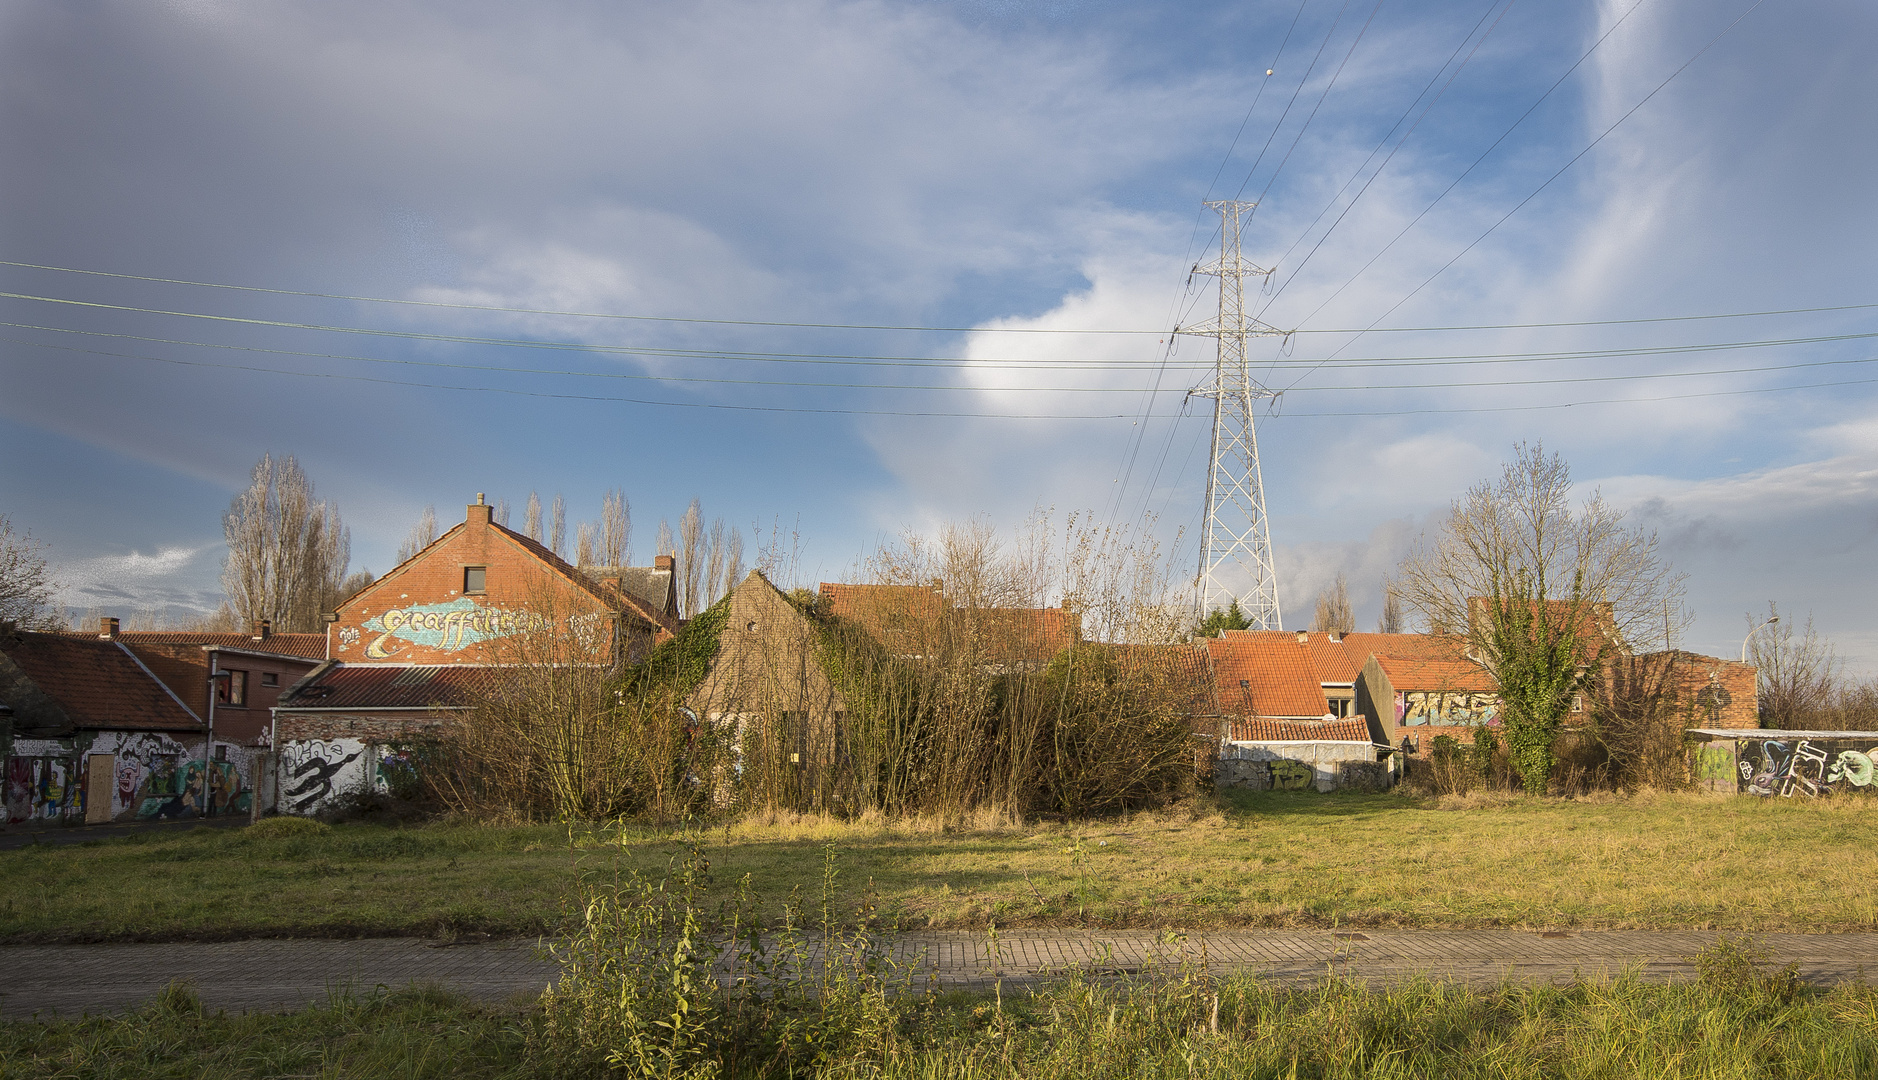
(665, 562)
(1304, 637)
(1336, 635)
(263, 629)
(479, 511)
(107, 628)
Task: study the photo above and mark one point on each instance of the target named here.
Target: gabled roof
(96, 683)
(1436, 673)
(1360, 647)
(1267, 674)
(365, 687)
(1021, 634)
(1350, 729)
(1185, 671)
(611, 599)
(1329, 658)
(904, 618)
(649, 584)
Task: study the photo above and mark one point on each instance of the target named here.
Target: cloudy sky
(960, 195)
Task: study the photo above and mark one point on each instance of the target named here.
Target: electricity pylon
(1235, 544)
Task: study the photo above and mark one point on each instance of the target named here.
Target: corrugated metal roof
(392, 686)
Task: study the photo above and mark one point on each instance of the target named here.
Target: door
(100, 778)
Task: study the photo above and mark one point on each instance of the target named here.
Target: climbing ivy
(680, 663)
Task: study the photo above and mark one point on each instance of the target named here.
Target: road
(286, 974)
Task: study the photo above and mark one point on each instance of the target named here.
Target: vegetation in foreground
(1271, 859)
(1736, 1022)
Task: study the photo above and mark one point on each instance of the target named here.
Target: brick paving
(286, 974)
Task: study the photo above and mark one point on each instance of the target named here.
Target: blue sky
(998, 166)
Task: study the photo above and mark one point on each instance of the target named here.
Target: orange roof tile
(1265, 673)
(1436, 673)
(1351, 729)
(98, 683)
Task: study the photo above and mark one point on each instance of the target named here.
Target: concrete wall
(1811, 765)
(1281, 766)
(324, 757)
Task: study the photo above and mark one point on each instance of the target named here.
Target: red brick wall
(419, 614)
(184, 668)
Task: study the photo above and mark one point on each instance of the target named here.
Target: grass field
(1278, 859)
(1177, 1027)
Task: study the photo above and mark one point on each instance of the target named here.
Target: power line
(549, 311)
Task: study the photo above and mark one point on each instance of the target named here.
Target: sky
(1487, 222)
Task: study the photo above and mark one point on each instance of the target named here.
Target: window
(475, 578)
(232, 690)
(270, 678)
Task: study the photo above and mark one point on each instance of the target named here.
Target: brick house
(409, 653)
(251, 672)
(89, 734)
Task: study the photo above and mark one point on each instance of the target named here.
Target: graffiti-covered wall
(1423, 708)
(1809, 766)
(315, 773)
(147, 776)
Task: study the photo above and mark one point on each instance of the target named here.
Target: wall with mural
(315, 772)
(1423, 708)
(153, 777)
(1810, 767)
(1288, 765)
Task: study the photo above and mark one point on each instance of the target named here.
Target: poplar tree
(287, 551)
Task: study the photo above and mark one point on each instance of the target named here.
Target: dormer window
(475, 579)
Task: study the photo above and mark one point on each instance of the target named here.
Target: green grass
(1176, 1026)
(1278, 859)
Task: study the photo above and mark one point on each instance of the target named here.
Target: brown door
(100, 778)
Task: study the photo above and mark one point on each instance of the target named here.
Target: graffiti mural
(450, 626)
(1810, 767)
(315, 771)
(1416, 708)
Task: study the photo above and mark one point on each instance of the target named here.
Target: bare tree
(1537, 594)
(422, 535)
(1390, 621)
(531, 518)
(500, 515)
(1799, 673)
(583, 545)
(733, 560)
(27, 585)
(355, 583)
(616, 529)
(690, 557)
(1333, 609)
(287, 552)
(665, 545)
(713, 562)
(557, 525)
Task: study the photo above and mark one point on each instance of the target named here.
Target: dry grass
(1651, 860)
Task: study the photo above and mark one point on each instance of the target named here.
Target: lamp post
(1771, 620)
(208, 746)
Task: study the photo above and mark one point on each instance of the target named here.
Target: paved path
(270, 975)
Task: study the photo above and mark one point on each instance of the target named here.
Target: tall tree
(422, 535)
(557, 526)
(27, 585)
(531, 518)
(1390, 621)
(690, 557)
(1537, 592)
(1333, 609)
(616, 529)
(287, 551)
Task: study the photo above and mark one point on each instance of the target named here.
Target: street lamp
(208, 746)
(1771, 620)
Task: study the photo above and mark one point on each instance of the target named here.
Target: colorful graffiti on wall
(1417, 708)
(450, 626)
(152, 776)
(1811, 767)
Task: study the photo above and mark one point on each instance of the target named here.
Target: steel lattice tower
(1235, 544)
